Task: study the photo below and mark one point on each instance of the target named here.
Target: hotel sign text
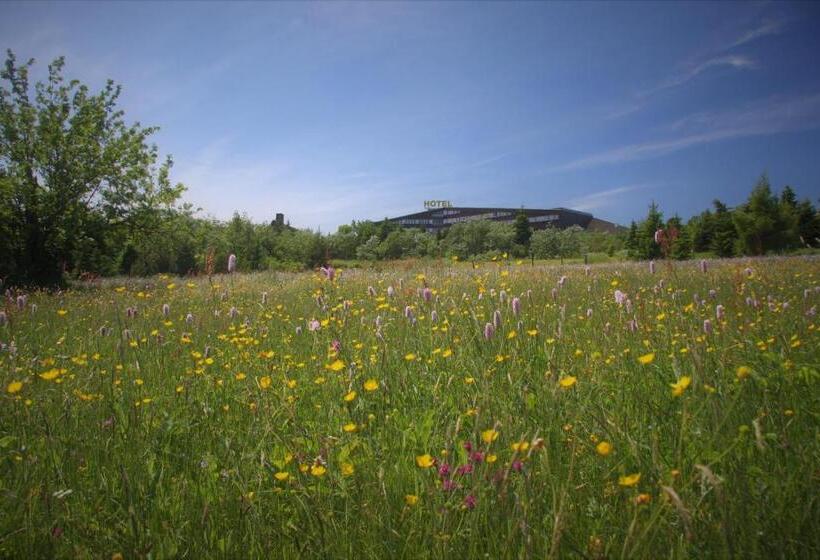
(430, 204)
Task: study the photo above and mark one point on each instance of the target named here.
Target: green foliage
(77, 181)
(523, 231)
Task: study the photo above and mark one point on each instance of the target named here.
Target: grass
(230, 429)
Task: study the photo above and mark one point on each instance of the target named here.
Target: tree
(760, 224)
(681, 248)
(647, 248)
(81, 182)
(523, 231)
(724, 233)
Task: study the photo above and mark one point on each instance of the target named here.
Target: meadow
(439, 410)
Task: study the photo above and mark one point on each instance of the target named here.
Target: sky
(333, 112)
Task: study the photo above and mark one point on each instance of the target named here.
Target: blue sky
(336, 111)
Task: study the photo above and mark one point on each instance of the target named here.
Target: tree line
(83, 193)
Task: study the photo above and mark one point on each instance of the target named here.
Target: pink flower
(469, 501)
(314, 325)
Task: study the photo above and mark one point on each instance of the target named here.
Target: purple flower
(390, 291)
(408, 312)
(21, 302)
(489, 331)
(314, 325)
(477, 457)
(448, 485)
(464, 470)
(703, 265)
(336, 345)
(589, 313)
(502, 296)
(427, 294)
(517, 466)
(166, 309)
(620, 297)
(231, 263)
(329, 272)
(497, 319)
(467, 446)
(434, 316)
(516, 306)
(707, 326)
(444, 470)
(469, 501)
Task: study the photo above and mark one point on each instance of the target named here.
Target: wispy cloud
(709, 60)
(769, 27)
(731, 61)
(770, 116)
(602, 199)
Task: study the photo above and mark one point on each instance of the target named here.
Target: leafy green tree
(808, 224)
(80, 180)
(523, 231)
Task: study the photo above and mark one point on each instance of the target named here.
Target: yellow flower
(347, 469)
(371, 385)
(532, 332)
(350, 396)
(567, 381)
(318, 470)
(643, 499)
(520, 446)
(511, 334)
(265, 382)
(338, 365)
(490, 458)
(14, 387)
(489, 436)
(50, 375)
(282, 476)
(425, 461)
(447, 353)
(349, 427)
(61, 312)
(239, 376)
(411, 499)
(604, 448)
(681, 385)
(647, 358)
(630, 480)
(743, 372)
(410, 357)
